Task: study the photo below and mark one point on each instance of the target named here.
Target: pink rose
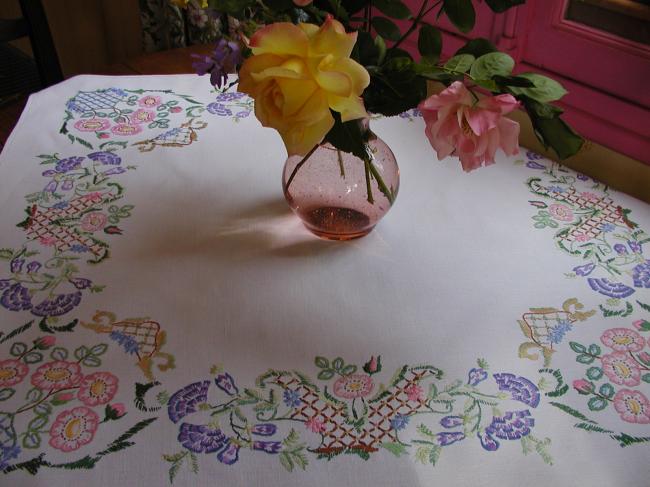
(583, 386)
(43, 343)
(103, 135)
(118, 409)
(414, 393)
(175, 109)
(93, 221)
(456, 125)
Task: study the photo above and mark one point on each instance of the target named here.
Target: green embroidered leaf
(433, 391)
(594, 373)
(59, 353)
(337, 364)
(139, 400)
(99, 349)
(6, 254)
(6, 393)
(322, 363)
(349, 369)
(33, 357)
(361, 453)
(646, 377)
(83, 142)
(326, 374)
(34, 395)
(43, 409)
(397, 449)
(423, 453)
(15, 332)
(594, 349)
(627, 440)
(591, 428)
(286, 462)
(37, 423)
(647, 308)
(572, 412)
(31, 440)
(17, 349)
(426, 432)
(434, 455)
(597, 404)
(584, 359)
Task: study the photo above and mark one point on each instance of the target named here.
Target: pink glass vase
(339, 196)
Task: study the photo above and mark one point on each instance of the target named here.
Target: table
(166, 319)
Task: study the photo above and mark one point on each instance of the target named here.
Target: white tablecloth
(166, 318)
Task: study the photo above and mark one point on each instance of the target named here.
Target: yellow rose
(297, 74)
(183, 3)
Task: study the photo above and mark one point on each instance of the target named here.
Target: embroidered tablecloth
(166, 319)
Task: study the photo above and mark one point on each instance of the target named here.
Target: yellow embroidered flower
(297, 74)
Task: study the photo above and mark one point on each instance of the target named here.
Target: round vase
(339, 196)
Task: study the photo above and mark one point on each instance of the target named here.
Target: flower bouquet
(317, 69)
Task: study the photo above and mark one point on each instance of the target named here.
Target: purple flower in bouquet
(476, 376)
(58, 306)
(264, 429)
(16, 298)
(68, 164)
(33, 266)
(448, 437)
(105, 157)
(226, 383)
(451, 421)
(201, 438)
(267, 446)
(230, 454)
(225, 59)
(16, 265)
(641, 275)
(520, 388)
(186, 400)
(584, 270)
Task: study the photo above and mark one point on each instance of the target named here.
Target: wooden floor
(175, 61)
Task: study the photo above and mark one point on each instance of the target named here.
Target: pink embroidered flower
(583, 386)
(621, 369)
(561, 212)
(644, 357)
(622, 340)
(353, 386)
(57, 375)
(12, 372)
(126, 129)
(73, 429)
(638, 324)
(632, 406)
(97, 388)
(103, 135)
(581, 237)
(589, 196)
(414, 393)
(175, 109)
(315, 425)
(118, 409)
(472, 131)
(149, 101)
(47, 241)
(92, 124)
(142, 116)
(43, 343)
(93, 221)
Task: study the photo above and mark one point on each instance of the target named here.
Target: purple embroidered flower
(117, 92)
(641, 275)
(535, 165)
(608, 288)
(416, 112)
(557, 332)
(267, 446)
(219, 109)
(16, 265)
(514, 425)
(51, 187)
(399, 422)
(620, 249)
(225, 58)
(476, 376)
(68, 164)
(584, 270)
(199, 438)
(243, 114)
(520, 388)
(73, 107)
(127, 342)
(8, 453)
(186, 400)
(106, 158)
(451, 421)
(291, 398)
(230, 454)
(61, 205)
(226, 383)
(607, 227)
(33, 267)
(230, 96)
(4, 284)
(49, 173)
(581, 177)
(448, 437)
(487, 442)
(405, 114)
(113, 171)
(635, 247)
(533, 155)
(556, 189)
(79, 248)
(81, 282)
(264, 429)
(62, 304)
(67, 185)
(16, 298)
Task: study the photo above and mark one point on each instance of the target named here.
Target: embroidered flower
(56, 375)
(632, 406)
(93, 221)
(556, 189)
(641, 275)
(622, 340)
(271, 447)
(92, 124)
(58, 306)
(451, 421)
(620, 249)
(608, 288)
(68, 164)
(635, 247)
(175, 109)
(219, 109)
(12, 372)
(126, 129)
(106, 158)
(149, 101)
(607, 227)
(128, 343)
(557, 332)
(201, 438)
(45, 343)
(115, 411)
(513, 425)
(186, 400)
(584, 270)
(97, 388)
(8, 453)
(48, 241)
(142, 116)
(73, 429)
(33, 267)
(583, 386)
(16, 298)
(315, 425)
(414, 393)
(353, 386)
(291, 398)
(561, 212)
(448, 437)
(230, 454)
(264, 429)
(520, 388)
(621, 369)
(226, 383)
(230, 96)
(16, 265)
(399, 422)
(80, 282)
(476, 376)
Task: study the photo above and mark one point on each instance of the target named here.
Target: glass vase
(339, 196)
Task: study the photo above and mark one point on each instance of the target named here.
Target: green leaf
(18, 349)
(395, 87)
(594, 349)
(583, 358)
(607, 390)
(33, 357)
(646, 324)
(380, 44)
(434, 455)
(6, 254)
(43, 409)
(577, 347)
(429, 43)
(322, 363)
(544, 89)
(337, 363)
(460, 63)
(492, 64)
(646, 377)
(397, 449)
(348, 136)
(393, 8)
(594, 373)
(325, 374)
(99, 349)
(422, 454)
(6, 393)
(31, 440)
(366, 51)
(597, 404)
(16, 332)
(501, 6)
(286, 462)
(461, 14)
(571, 411)
(37, 423)
(386, 28)
(348, 369)
(59, 353)
(477, 47)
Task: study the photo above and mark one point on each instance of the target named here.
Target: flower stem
(340, 157)
(299, 165)
(413, 26)
(388, 193)
(366, 163)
